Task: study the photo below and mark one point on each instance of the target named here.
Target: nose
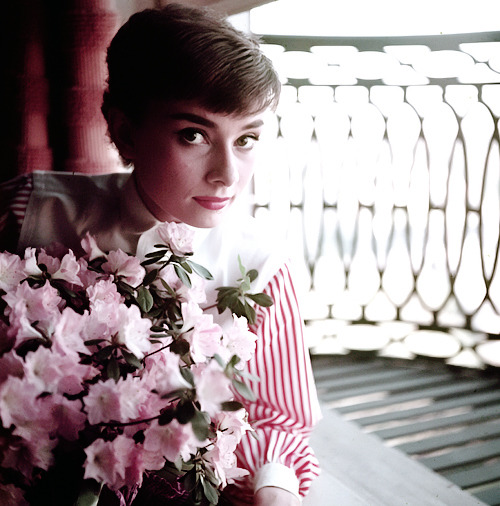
(223, 167)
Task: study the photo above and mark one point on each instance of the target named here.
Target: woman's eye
(247, 141)
(192, 136)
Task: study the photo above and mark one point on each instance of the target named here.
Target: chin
(204, 221)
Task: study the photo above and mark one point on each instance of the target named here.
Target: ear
(121, 131)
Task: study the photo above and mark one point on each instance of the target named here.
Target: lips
(213, 203)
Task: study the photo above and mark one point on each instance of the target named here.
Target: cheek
(246, 171)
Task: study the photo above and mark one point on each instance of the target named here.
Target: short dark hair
(187, 53)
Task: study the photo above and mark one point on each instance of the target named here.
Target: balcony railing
(385, 181)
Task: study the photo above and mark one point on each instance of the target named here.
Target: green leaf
(144, 299)
(261, 299)
(226, 295)
(242, 269)
(92, 342)
(245, 285)
(113, 369)
(234, 360)
(228, 300)
(166, 417)
(149, 262)
(182, 275)
(124, 287)
(179, 347)
(249, 312)
(200, 270)
(223, 289)
(158, 328)
(185, 412)
(189, 481)
(167, 287)
(243, 390)
(239, 308)
(200, 423)
(187, 374)
(186, 267)
(157, 254)
(231, 406)
(252, 275)
(104, 353)
(178, 392)
(210, 491)
(150, 277)
(131, 359)
(89, 493)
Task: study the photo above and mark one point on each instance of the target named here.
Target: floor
(445, 418)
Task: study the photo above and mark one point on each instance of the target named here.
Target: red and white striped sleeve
(287, 407)
(14, 197)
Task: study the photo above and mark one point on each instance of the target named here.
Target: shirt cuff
(277, 475)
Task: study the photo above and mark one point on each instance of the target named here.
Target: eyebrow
(201, 120)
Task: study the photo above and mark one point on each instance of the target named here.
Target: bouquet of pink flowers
(111, 372)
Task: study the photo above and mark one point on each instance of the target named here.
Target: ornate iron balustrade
(385, 181)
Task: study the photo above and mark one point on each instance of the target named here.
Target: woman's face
(191, 164)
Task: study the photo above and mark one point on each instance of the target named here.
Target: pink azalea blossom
(31, 262)
(133, 330)
(205, 339)
(52, 263)
(132, 393)
(69, 333)
(233, 422)
(87, 276)
(162, 372)
(196, 293)
(90, 247)
(7, 339)
(11, 271)
(68, 270)
(12, 496)
(240, 341)
(34, 450)
(178, 236)
(68, 419)
(168, 442)
(223, 459)
(16, 455)
(116, 463)
(115, 401)
(212, 385)
(104, 300)
(36, 388)
(20, 406)
(132, 458)
(203, 335)
(102, 403)
(21, 330)
(18, 401)
(39, 305)
(105, 463)
(124, 266)
(11, 364)
(52, 372)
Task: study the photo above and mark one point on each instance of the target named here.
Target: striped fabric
(286, 408)
(14, 197)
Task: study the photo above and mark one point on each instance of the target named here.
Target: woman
(187, 100)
